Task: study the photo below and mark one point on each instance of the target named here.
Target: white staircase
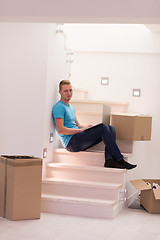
(77, 183)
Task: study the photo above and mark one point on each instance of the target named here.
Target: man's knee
(112, 128)
(109, 128)
(105, 127)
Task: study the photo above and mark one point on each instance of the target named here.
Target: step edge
(86, 167)
(63, 151)
(91, 201)
(99, 102)
(103, 185)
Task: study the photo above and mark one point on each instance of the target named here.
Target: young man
(76, 137)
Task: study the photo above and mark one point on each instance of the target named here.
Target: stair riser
(98, 107)
(84, 175)
(124, 146)
(87, 119)
(80, 191)
(82, 160)
(79, 94)
(77, 209)
(88, 107)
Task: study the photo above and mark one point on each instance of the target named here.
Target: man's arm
(64, 130)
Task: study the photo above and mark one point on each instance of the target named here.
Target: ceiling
(73, 11)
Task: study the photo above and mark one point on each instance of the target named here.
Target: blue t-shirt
(68, 113)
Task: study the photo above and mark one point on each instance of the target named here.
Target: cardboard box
(132, 127)
(20, 187)
(150, 198)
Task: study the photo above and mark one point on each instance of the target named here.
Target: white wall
(57, 70)
(112, 38)
(32, 62)
(125, 72)
(23, 61)
(126, 69)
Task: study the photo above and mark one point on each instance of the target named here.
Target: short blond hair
(64, 82)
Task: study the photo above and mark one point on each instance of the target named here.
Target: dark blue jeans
(92, 136)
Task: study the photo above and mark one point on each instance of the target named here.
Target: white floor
(130, 224)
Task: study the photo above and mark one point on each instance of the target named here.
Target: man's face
(66, 92)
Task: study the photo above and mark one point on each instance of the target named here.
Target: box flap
(140, 184)
(156, 193)
(132, 114)
(21, 161)
(144, 115)
(125, 114)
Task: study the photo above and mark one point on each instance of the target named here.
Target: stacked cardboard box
(20, 187)
(132, 127)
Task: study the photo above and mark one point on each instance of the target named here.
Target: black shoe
(111, 163)
(126, 164)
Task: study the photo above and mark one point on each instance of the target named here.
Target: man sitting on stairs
(76, 137)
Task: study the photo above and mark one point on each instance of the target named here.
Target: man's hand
(85, 127)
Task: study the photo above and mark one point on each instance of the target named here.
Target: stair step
(86, 173)
(97, 106)
(75, 188)
(79, 206)
(87, 158)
